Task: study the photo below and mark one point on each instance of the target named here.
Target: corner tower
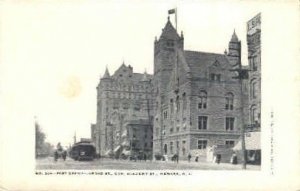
(165, 55)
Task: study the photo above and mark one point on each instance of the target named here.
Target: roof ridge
(204, 52)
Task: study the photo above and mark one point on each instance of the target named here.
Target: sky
(54, 53)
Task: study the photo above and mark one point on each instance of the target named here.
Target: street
(110, 164)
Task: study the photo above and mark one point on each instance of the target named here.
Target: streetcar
(83, 151)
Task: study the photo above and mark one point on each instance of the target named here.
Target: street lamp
(242, 75)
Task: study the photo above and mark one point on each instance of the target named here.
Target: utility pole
(242, 75)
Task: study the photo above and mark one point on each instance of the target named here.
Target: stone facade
(122, 97)
(254, 59)
(198, 102)
(192, 102)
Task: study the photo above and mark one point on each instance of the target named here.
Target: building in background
(124, 102)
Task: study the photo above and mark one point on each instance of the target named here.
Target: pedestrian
(233, 159)
(218, 158)
(189, 157)
(196, 159)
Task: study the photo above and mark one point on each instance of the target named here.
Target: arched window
(229, 101)
(184, 101)
(203, 100)
(254, 116)
(253, 88)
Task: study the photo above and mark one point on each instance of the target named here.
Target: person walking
(189, 157)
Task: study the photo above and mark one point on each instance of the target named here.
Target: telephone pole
(242, 75)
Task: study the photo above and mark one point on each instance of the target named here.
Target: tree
(42, 148)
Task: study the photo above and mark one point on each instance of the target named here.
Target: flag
(171, 11)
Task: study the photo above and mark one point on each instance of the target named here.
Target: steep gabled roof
(199, 61)
(169, 32)
(106, 74)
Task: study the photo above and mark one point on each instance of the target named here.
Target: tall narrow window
(177, 104)
(229, 123)
(202, 122)
(253, 88)
(229, 101)
(171, 106)
(203, 100)
(184, 101)
(183, 147)
(171, 147)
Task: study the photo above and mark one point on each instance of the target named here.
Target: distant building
(191, 102)
(123, 97)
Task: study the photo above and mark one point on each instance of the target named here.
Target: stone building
(198, 101)
(122, 98)
(254, 59)
(192, 101)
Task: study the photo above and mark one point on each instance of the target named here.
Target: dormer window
(215, 77)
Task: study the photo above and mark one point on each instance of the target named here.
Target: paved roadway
(48, 163)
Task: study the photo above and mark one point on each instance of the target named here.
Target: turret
(106, 74)
(234, 50)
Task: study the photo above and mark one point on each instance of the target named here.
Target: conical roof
(106, 74)
(169, 32)
(234, 37)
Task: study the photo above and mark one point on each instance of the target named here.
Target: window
(166, 148)
(177, 128)
(203, 100)
(218, 77)
(202, 144)
(164, 130)
(229, 123)
(255, 63)
(171, 130)
(215, 77)
(145, 145)
(170, 43)
(183, 147)
(253, 88)
(184, 101)
(229, 143)
(157, 131)
(165, 114)
(171, 147)
(177, 146)
(177, 104)
(171, 106)
(202, 122)
(229, 101)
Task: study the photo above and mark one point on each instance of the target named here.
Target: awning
(117, 148)
(108, 152)
(124, 134)
(252, 142)
(126, 152)
(125, 143)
